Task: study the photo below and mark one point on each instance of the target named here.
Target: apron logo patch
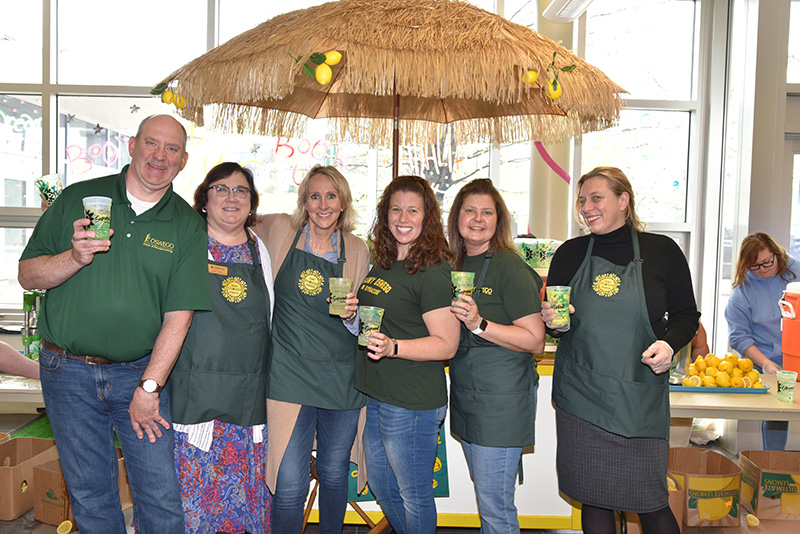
(158, 244)
(311, 282)
(234, 289)
(606, 285)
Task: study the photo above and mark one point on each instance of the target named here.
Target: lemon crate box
(771, 484)
(18, 457)
(711, 485)
(52, 505)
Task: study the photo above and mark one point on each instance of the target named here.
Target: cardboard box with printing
(18, 457)
(771, 484)
(712, 483)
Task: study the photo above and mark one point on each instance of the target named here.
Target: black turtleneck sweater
(666, 277)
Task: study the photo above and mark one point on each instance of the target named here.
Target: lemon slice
(747, 382)
(65, 527)
(752, 520)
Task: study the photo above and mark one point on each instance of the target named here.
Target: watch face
(150, 386)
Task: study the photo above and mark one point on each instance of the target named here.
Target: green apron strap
(487, 259)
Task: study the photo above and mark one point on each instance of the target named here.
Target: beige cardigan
(277, 232)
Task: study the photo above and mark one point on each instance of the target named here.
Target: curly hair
(220, 172)
(618, 183)
(752, 246)
(430, 248)
(502, 238)
(347, 218)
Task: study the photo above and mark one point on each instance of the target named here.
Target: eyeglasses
(766, 265)
(223, 191)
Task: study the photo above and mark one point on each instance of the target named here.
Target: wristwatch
(149, 385)
(481, 327)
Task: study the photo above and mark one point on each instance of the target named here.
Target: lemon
(65, 527)
(701, 364)
(790, 503)
(714, 509)
(752, 521)
(711, 371)
(323, 73)
(671, 486)
(692, 370)
(737, 372)
(712, 360)
(180, 101)
(759, 385)
(691, 381)
(725, 366)
(731, 357)
(553, 90)
(167, 97)
(747, 493)
(530, 76)
(753, 376)
(745, 364)
(737, 382)
(709, 382)
(333, 57)
(746, 382)
(723, 380)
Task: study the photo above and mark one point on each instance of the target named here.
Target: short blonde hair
(618, 183)
(347, 218)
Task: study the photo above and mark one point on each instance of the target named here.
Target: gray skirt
(602, 469)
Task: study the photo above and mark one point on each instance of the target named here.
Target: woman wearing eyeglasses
(754, 317)
(218, 386)
(310, 385)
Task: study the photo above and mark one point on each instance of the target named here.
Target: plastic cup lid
(793, 287)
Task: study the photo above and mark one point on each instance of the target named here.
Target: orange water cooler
(790, 327)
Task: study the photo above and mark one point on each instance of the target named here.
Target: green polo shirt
(157, 263)
(405, 298)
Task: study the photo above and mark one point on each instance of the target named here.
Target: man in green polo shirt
(113, 321)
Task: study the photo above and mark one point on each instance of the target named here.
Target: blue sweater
(754, 316)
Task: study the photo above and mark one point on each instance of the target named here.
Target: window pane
(21, 43)
(652, 149)
(232, 23)
(645, 46)
(522, 12)
(793, 67)
(514, 184)
(794, 243)
(12, 242)
(20, 149)
(139, 45)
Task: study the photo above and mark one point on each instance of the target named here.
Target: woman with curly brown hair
(402, 369)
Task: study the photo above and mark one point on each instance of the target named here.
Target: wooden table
(737, 405)
(20, 395)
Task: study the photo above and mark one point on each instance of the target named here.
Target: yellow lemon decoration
(167, 97)
(323, 73)
(790, 503)
(65, 527)
(553, 90)
(333, 57)
(180, 101)
(530, 76)
(714, 509)
(747, 493)
(752, 520)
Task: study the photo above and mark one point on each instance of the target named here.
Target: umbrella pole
(395, 132)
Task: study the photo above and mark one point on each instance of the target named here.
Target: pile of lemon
(729, 372)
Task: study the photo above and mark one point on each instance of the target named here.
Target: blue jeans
(401, 449)
(494, 470)
(86, 405)
(335, 431)
(774, 435)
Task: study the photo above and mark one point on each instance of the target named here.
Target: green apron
(222, 370)
(599, 376)
(492, 390)
(313, 355)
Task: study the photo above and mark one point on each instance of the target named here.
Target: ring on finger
(152, 424)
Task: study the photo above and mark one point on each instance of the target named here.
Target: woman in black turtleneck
(633, 307)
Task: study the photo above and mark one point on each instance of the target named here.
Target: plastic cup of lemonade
(98, 211)
(462, 283)
(339, 288)
(558, 297)
(371, 317)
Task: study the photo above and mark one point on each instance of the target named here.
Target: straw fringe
(438, 49)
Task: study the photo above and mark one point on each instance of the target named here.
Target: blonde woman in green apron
(310, 387)
(493, 377)
(218, 386)
(633, 308)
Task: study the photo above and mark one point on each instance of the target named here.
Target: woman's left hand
(351, 305)
(380, 346)
(658, 357)
(466, 310)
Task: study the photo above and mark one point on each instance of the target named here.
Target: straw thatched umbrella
(427, 63)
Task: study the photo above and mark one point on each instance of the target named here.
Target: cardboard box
(676, 500)
(771, 484)
(18, 457)
(4, 437)
(52, 504)
(712, 485)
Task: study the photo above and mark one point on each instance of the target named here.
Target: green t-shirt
(114, 307)
(510, 290)
(404, 298)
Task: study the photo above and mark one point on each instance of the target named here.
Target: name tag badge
(218, 269)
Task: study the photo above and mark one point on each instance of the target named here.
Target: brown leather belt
(91, 360)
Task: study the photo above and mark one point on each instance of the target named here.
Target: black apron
(222, 370)
(313, 355)
(492, 390)
(598, 375)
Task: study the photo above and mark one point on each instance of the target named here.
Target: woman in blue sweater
(754, 317)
